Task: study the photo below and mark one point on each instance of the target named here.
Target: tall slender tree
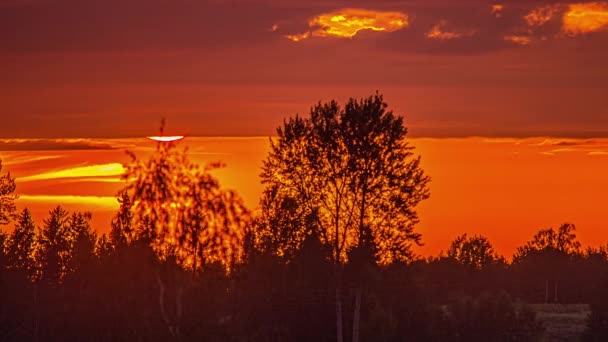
(54, 246)
(122, 232)
(22, 244)
(82, 240)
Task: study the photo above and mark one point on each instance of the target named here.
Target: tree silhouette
(21, 246)
(348, 176)
(82, 240)
(7, 197)
(548, 258)
(181, 210)
(562, 240)
(54, 246)
(4, 256)
(122, 232)
(475, 252)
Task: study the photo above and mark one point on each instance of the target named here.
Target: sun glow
(166, 138)
(346, 23)
(585, 17)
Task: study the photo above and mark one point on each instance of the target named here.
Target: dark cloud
(52, 145)
(76, 25)
(115, 25)
(80, 68)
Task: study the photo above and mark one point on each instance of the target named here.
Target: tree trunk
(173, 327)
(555, 292)
(36, 314)
(546, 291)
(357, 315)
(339, 336)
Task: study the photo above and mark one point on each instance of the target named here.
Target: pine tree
(7, 197)
(22, 244)
(55, 248)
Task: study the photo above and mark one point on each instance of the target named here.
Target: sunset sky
(528, 80)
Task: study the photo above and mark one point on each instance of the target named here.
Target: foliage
(21, 246)
(54, 246)
(122, 232)
(67, 242)
(7, 197)
(180, 210)
(562, 240)
(544, 266)
(113, 294)
(346, 175)
(475, 252)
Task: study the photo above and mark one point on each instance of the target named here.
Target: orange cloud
(585, 17)
(346, 23)
(497, 10)
(438, 32)
(298, 37)
(540, 16)
(520, 40)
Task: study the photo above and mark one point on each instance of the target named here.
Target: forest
(327, 256)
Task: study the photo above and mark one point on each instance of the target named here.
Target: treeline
(328, 256)
(62, 281)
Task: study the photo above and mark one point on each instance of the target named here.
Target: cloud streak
(440, 32)
(52, 145)
(104, 170)
(99, 202)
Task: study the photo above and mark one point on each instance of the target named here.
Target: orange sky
(506, 189)
(453, 69)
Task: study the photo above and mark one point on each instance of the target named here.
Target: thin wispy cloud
(98, 202)
(53, 145)
(105, 170)
(440, 31)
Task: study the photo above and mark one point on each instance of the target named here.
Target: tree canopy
(562, 240)
(475, 252)
(180, 210)
(348, 176)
